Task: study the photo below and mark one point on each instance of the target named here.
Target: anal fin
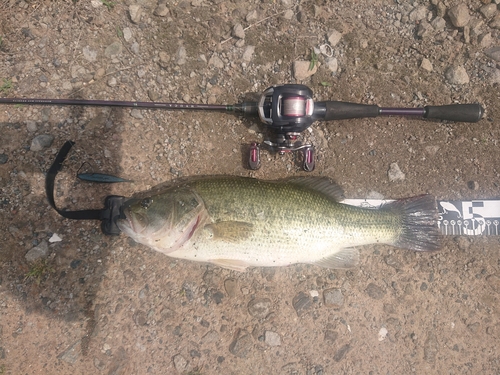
(345, 258)
(231, 264)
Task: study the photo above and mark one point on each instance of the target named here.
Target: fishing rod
(286, 111)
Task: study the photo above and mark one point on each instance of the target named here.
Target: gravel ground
(83, 302)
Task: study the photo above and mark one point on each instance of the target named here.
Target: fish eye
(146, 202)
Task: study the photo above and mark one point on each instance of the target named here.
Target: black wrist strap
(107, 215)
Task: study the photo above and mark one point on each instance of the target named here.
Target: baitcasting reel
(288, 110)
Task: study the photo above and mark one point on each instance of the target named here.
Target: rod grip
(455, 112)
(335, 110)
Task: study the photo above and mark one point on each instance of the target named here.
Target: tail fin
(419, 221)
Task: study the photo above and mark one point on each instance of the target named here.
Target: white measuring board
(456, 218)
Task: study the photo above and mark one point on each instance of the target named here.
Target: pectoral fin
(346, 258)
(230, 231)
(232, 264)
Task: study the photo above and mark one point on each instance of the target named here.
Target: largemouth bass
(238, 222)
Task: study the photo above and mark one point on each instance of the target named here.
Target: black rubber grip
(455, 112)
(345, 110)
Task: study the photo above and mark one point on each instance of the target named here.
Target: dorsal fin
(323, 185)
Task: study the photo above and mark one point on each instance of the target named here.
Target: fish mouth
(125, 222)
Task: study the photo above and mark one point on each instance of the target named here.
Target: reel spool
(286, 111)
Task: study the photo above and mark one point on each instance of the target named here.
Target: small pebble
(301, 303)
(38, 252)
(238, 31)
(241, 345)
(272, 338)
(334, 37)
(302, 71)
(459, 15)
(457, 75)
(180, 363)
(382, 334)
(259, 307)
(41, 142)
(395, 173)
(135, 12)
(333, 298)
(374, 291)
(426, 65)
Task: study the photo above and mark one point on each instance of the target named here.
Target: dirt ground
(95, 304)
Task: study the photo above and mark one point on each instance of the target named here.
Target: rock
(341, 352)
(495, 22)
(140, 318)
(248, 54)
(238, 31)
(135, 12)
(41, 142)
(301, 69)
(181, 55)
(457, 75)
(216, 62)
(374, 291)
(334, 37)
(331, 336)
(38, 252)
(241, 345)
(136, 113)
(211, 337)
(395, 173)
(113, 49)
(426, 65)
(272, 338)
(72, 353)
(31, 126)
(251, 16)
(127, 34)
(333, 298)
(3, 158)
(89, 54)
(494, 283)
(301, 303)
(259, 307)
(488, 10)
(493, 53)
(419, 13)
(425, 30)
(161, 10)
(459, 15)
(135, 48)
(332, 64)
(485, 40)
(164, 59)
(392, 261)
(112, 82)
(382, 334)
(438, 23)
(473, 185)
(180, 363)
(431, 348)
(231, 287)
(55, 238)
(288, 15)
(440, 9)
